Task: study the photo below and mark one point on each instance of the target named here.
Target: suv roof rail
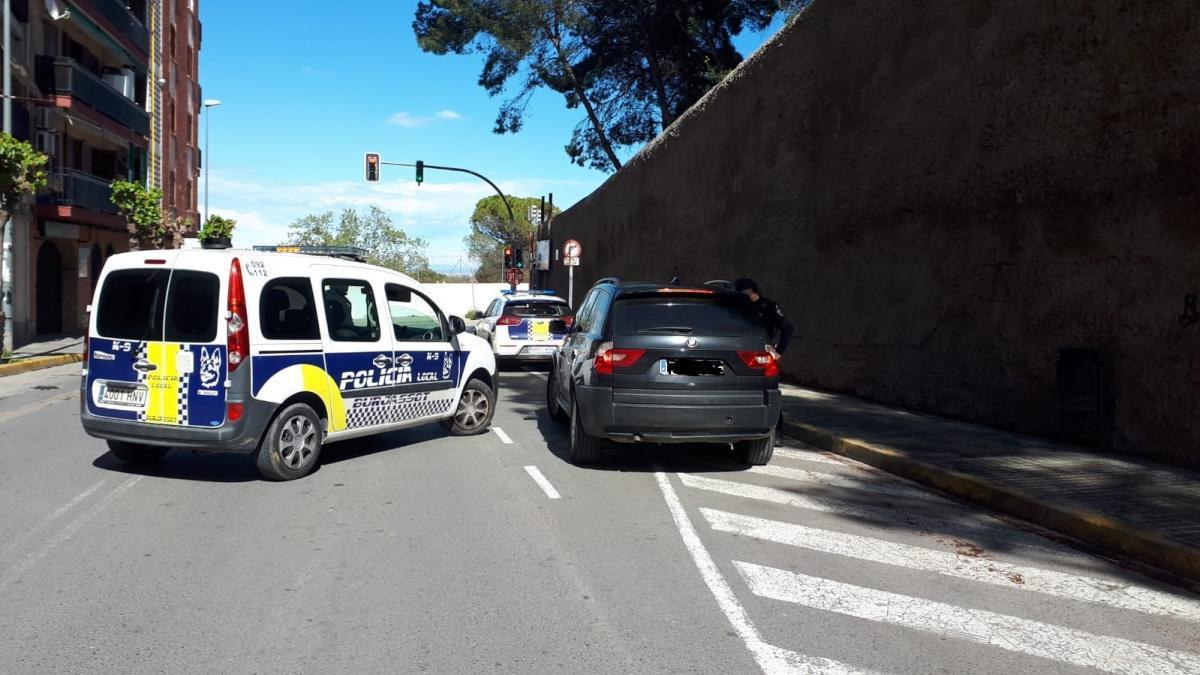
(609, 280)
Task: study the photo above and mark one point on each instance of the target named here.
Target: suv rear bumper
(241, 436)
(673, 416)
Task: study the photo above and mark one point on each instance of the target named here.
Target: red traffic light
(508, 251)
(372, 167)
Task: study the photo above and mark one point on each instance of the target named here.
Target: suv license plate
(130, 397)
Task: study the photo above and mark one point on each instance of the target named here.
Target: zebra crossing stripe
(1024, 636)
(1058, 584)
(965, 526)
(872, 483)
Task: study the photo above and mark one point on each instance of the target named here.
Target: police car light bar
(511, 292)
(348, 252)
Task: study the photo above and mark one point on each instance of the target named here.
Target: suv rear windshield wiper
(667, 329)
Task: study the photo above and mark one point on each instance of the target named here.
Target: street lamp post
(208, 103)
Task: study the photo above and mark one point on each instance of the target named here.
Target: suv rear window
(723, 315)
(133, 302)
(540, 309)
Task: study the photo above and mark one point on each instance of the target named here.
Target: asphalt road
(414, 551)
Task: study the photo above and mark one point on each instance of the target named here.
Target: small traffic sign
(571, 262)
(572, 249)
(514, 276)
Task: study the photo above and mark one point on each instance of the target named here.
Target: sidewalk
(39, 355)
(1129, 506)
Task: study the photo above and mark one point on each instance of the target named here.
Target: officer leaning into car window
(779, 329)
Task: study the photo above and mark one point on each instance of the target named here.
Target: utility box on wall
(1083, 395)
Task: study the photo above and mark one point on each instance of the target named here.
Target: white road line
(879, 484)
(65, 533)
(58, 513)
(37, 405)
(542, 482)
(503, 436)
(965, 525)
(808, 456)
(1024, 636)
(1016, 577)
(770, 658)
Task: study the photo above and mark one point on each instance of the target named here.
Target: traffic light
(508, 257)
(518, 258)
(420, 172)
(372, 167)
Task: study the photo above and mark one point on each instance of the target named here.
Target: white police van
(273, 351)
(518, 325)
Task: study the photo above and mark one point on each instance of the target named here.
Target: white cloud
(411, 121)
(437, 212)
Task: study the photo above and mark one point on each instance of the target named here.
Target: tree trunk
(660, 89)
(587, 103)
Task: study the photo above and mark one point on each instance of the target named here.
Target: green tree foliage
(216, 227)
(492, 230)
(386, 245)
(632, 66)
(148, 226)
(22, 173)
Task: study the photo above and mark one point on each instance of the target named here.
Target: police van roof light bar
(348, 252)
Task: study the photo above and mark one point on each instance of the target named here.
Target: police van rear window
(133, 305)
(537, 309)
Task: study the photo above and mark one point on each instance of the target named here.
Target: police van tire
(584, 448)
(136, 454)
(757, 452)
(556, 412)
(292, 445)
(474, 412)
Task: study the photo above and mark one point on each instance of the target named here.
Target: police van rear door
(157, 352)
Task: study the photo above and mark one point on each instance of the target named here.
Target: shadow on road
(186, 465)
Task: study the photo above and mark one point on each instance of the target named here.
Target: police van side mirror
(457, 325)
(558, 326)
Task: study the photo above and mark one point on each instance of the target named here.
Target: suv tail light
(238, 326)
(609, 358)
(508, 320)
(763, 361)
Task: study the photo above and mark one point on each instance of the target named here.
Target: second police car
(518, 325)
(274, 354)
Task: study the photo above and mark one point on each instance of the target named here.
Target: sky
(306, 90)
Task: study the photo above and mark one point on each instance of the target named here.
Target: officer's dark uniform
(779, 329)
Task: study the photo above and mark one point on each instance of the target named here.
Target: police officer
(779, 329)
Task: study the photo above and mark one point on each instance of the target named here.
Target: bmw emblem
(692, 342)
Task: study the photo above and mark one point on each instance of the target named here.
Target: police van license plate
(131, 397)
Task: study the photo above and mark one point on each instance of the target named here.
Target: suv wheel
(757, 452)
(136, 454)
(475, 410)
(556, 412)
(585, 448)
(292, 444)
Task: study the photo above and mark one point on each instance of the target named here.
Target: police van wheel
(475, 410)
(292, 444)
(136, 453)
(584, 448)
(556, 412)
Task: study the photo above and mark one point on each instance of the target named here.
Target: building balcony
(126, 22)
(64, 77)
(78, 190)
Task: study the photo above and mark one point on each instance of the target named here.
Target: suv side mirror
(558, 326)
(457, 325)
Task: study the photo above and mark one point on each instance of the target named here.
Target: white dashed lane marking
(1025, 636)
(542, 482)
(503, 436)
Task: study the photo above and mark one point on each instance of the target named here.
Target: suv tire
(292, 445)
(584, 448)
(556, 412)
(756, 452)
(136, 454)
(474, 412)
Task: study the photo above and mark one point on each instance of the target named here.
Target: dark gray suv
(665, 364)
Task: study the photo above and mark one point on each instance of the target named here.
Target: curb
(1097, 529)
(38, 363)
